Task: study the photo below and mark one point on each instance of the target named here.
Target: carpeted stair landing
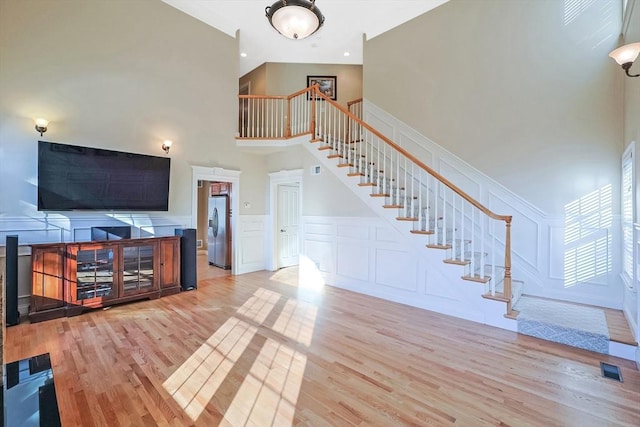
(565, 323)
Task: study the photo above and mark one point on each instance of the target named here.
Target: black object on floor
(11, 251)
(611, 371)
(29, 394)
(188, 260)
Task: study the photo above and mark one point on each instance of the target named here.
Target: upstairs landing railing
(455, 222)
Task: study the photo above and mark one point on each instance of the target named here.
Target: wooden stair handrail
(317, 94)
(452, 186)
(355, 101)
(263, 97)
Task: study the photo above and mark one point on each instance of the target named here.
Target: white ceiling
(345, 23)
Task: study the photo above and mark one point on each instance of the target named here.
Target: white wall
(574, 257)
(631, 87)
(116, 75)
(522, 90)
(324, 194)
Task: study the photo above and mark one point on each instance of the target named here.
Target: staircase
(440, 218)
(466, 233)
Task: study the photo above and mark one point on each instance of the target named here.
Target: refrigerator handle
(215, 222)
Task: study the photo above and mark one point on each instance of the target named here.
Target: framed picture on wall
(327, 85)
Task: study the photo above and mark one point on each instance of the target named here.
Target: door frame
(293, 176)
(201, 173)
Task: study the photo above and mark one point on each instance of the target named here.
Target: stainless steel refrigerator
(218, 237)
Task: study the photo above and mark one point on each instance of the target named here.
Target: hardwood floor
(270, 349)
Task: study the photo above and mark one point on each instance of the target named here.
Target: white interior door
(288, 228)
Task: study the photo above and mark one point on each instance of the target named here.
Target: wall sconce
(41, 125)
(166, 145)
(625, 56)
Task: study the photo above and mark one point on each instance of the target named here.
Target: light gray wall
(323, 194)
(118, 75)
(274, 78)
(523, 90)
(632, 97)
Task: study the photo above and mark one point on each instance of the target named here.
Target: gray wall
(118, 75)
(275, 78)
(523, 90)
(323, 194)
(632, 99)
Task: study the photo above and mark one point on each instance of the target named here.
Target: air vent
(610, 371)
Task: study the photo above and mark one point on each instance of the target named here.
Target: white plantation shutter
(627, 216)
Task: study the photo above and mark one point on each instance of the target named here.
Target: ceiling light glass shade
(625, 54)
(295, 19)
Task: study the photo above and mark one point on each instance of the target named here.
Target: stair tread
(478, 279)
(438, 246)
(457, 261)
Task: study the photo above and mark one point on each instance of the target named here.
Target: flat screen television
(72, 177)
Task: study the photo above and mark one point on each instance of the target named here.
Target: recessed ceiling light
(243, 54)
(346, 54)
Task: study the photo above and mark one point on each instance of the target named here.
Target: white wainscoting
(541, 244)
(366, 255)
(252, 243)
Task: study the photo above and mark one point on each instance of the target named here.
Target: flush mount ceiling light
(295, 19)
(625, 56)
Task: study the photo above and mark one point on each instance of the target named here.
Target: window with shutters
(627, 208)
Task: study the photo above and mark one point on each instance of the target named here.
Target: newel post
(288, 124)
(507, 264)
(313, 113)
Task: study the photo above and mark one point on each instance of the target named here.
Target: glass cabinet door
(94, 274)
(137, 269)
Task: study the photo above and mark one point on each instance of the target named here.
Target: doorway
(288, 224)
(286, 213)
(222, 182)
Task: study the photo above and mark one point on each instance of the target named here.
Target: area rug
(565, 323)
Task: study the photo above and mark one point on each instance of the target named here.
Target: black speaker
(11, 252)
(188, 261)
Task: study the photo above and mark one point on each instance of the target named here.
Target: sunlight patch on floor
(269, 393)
(296, 321)
(197, 380)
(258, 307)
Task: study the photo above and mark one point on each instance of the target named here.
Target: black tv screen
(72, 177)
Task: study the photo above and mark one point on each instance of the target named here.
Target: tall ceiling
(346, 21)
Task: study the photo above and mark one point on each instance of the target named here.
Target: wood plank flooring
(271, 349)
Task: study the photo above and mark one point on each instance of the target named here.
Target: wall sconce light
(41, 125)
(166, 145)
(625, 56)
